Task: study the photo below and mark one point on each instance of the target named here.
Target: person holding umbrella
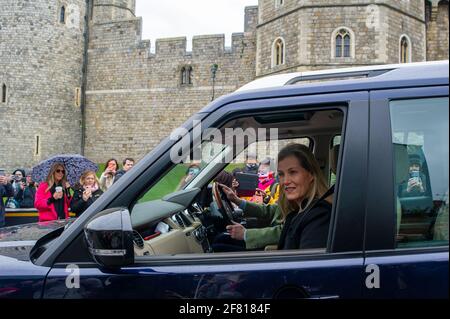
(53, 196)
(88, 193)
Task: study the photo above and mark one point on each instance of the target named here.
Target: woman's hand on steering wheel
(231, 195)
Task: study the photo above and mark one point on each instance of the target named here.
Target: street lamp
(214, 68)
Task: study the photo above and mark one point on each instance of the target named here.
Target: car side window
(421, 153)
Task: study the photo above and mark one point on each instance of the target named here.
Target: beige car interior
(178, 240)
(183, 237)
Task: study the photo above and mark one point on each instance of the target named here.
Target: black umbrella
(74, 164)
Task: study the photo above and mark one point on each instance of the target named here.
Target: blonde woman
(53, 196)
(305, 215)
(86, 194)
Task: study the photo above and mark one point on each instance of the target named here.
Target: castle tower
(436, 18)
(41, 49)
(320, 34)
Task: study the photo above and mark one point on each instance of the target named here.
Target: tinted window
(420, 140)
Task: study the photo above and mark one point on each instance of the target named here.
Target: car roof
(339, 80)
(367, 71)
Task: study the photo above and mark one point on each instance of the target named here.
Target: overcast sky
(177, 18)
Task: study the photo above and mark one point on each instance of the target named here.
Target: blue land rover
(375, 131)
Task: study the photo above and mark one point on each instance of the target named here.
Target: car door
(334, 273)
(406, 238)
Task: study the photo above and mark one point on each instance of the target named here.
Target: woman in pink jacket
(53, 196)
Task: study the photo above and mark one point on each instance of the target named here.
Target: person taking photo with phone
(17, 179)
(107, 177)
(27, 192)
(88, 193)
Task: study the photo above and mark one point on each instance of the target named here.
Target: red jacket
(47, 211)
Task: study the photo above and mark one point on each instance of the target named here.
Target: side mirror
(109, 237)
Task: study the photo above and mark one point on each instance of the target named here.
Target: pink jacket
(48, 212)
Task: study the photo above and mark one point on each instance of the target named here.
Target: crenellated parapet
(112, 10)
(171, 46)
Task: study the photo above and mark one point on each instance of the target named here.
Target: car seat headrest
(401, 163)
(334, 155)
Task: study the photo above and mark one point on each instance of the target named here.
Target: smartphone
(415, 174)
(2, 172)
(248, 183)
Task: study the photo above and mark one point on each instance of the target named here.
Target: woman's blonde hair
(51, 176)
(306, 160)
(86, 174)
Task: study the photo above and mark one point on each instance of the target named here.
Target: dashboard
(179, 232)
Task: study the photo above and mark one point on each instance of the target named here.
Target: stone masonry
(40, 65)
(135, 98)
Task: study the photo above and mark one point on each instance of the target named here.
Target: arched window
(62, 15)
(428, 8)
(278, 52)
(37, 145)
(279, 3)
(186, 75)
(92, 10)
(343, 44)
(4, 93)
(405, 49)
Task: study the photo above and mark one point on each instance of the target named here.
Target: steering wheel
(223, 203)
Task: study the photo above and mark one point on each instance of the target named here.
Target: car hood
(17, 241)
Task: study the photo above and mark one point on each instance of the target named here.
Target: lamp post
(214, 68)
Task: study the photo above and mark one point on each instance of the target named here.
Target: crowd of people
(54, 198)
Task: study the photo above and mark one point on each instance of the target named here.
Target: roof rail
(337, 75)
(368, 71)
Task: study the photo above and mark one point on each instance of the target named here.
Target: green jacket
(261, 237)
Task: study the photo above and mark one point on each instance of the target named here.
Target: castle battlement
(171, 46)
(202, 45)
(206, 45)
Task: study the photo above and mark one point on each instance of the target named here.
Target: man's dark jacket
(5, 191)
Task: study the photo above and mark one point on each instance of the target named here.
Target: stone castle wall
(40, 64)
(437, 31)
(135, 98)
